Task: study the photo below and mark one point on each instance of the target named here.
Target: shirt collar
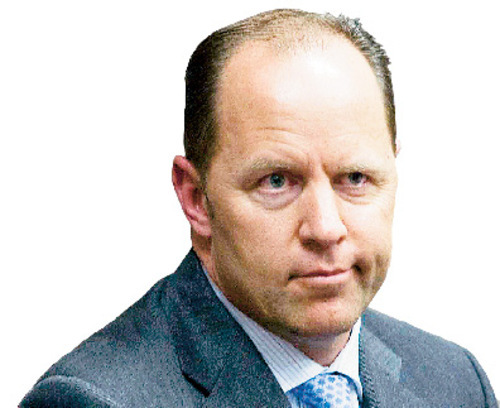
(289, 365)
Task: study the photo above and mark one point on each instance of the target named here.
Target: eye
(277, 190)
(277, 180)
(357, 178)
(275, 183)
(353, 184)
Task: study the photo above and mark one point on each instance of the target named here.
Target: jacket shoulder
(429, 360)
(61, 391)
(405, 338)
(413, 344)
(112, 367)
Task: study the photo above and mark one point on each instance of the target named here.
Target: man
(289, 184)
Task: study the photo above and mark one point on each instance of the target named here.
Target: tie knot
(327, 391)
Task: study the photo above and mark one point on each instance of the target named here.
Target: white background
(91, 111)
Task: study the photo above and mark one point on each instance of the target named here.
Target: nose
(321, 220)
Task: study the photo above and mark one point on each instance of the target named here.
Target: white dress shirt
(288, 364)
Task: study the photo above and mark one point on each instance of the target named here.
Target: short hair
(285, 26)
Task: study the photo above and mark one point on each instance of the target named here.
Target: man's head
(293, 216)
(286, 29)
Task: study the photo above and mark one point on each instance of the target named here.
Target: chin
(331, 322)
(332, 326)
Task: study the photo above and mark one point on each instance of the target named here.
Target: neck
(323, 350)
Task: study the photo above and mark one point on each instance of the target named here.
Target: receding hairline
(279, 35)
(287, 31)
(284, 32)
(284, 25)
(284, 46)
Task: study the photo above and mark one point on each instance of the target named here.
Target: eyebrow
(371, 167)
(263, 163)
(354, 168)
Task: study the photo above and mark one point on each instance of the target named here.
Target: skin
(294, 223)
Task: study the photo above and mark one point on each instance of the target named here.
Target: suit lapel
(380, 371)
(219, 359)
(215, 354)
(246, 381)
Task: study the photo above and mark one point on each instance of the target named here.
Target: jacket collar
(215, 354)
(380, 371)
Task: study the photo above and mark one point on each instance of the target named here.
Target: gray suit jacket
(179, 347)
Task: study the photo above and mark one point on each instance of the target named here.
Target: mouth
(323, 277)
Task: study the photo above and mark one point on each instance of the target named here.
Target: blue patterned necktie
(327, 391)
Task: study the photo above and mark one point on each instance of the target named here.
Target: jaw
(320, 335)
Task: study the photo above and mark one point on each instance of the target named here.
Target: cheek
(248, 221)
(368, 223)
(373, 220)
(255, 237)
(370, 231)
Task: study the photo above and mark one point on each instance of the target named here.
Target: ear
(187, 184)
(398, 146)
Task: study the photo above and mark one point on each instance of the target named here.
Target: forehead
(319, 82)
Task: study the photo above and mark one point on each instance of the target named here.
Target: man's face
(301, 188)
